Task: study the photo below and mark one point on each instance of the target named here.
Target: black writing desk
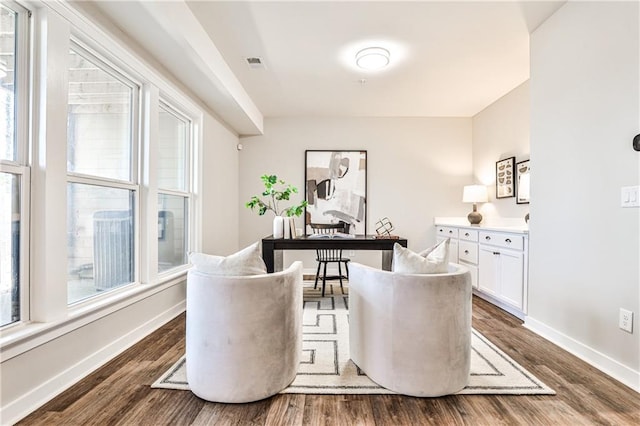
(272, 247)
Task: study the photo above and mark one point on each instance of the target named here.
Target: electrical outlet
(626, 320)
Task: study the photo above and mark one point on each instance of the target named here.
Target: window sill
(24, 337)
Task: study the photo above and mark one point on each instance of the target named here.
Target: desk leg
(387, 258)
(267, 254)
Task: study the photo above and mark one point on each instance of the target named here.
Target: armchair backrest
(411, 333)
(244, 334)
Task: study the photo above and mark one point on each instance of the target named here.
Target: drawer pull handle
(488, 238)
(466, 252)
(466, 234)
(451, 232)
(497, 253)
(508, 240)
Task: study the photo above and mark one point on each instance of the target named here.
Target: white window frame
(188, 192)
(20, 166)
(24, 176)
(132, 184)
(136, 122)
(53, 26)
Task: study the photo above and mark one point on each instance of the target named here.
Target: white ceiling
(448, 58)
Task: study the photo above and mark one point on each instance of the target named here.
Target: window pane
(172, 231)
(173, 139)
(99, 121)
(7, 82)
(9, 248)
(100, 239)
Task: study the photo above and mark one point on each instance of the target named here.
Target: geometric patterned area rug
(325, 367)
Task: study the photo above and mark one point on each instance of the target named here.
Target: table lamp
(474, 194)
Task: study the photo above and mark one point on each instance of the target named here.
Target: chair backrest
(329, 228)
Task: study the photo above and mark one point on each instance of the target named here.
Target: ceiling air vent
(255, 63)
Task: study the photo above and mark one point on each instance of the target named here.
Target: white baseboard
(602, 362)
(29, 402)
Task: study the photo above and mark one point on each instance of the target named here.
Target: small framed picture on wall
(522, 182)
(505, 177)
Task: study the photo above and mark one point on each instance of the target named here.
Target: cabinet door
(488, 262)
(474, 273)
(511, 277)
(453, 248)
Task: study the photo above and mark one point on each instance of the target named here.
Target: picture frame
(505, 178)
(523, 182)
(336, 189)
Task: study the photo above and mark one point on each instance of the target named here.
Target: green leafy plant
(275, 190)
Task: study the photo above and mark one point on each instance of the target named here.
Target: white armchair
(244, 334)
(411, 333)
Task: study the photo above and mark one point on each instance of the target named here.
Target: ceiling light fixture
(372, 58)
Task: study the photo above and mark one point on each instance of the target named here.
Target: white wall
(501, 131)
(416, 170)
(220, 205)
(585, 248)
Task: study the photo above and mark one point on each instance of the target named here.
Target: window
(102, 190)
(174, 142)
(10, 247)
(14, 173)
(8, 19)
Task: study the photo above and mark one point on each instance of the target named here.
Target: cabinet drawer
(447, 231)
(499, 239)
(468, 252)
(468, 234)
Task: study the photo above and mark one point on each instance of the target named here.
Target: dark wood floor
(119, 393)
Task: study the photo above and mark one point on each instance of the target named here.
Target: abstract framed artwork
(522, 182)
(336, 189)
(505, 178)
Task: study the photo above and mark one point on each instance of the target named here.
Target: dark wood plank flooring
(119, 393)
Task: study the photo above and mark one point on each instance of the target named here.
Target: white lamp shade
(475, 194)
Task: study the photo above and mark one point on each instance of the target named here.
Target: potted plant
(275, 191)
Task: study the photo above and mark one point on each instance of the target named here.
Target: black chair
(326, 256)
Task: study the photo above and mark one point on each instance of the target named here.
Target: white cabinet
(501, 274)
(444, 232)
(497, 260)
(511, 279)
(488, 276)
(453, 248)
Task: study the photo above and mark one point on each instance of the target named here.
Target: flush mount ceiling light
(372, 58)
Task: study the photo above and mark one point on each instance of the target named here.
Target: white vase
(278, 227)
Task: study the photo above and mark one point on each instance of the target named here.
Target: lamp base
(474, 218)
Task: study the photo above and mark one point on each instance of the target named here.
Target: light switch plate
(630, 196)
